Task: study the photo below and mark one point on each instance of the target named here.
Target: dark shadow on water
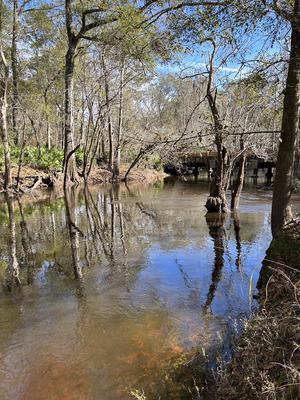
(215, 222)
(71, 200)
(237, 232)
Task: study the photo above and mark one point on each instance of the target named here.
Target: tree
(90, 19)
(3, 108)
(217, 197)
(281, 208)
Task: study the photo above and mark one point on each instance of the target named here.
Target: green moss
(283, 249)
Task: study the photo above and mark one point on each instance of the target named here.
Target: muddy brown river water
(117, 281)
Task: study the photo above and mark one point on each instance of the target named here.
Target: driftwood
(37, 182)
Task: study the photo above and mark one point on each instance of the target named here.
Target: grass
(266, 363)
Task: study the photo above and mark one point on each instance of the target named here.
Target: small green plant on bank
(296, 186)
(45, 159)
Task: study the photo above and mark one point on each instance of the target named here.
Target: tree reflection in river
(237, 231)
(12, 279)
(216, 226)
(149, 263)
(71, 200)
(27, 246)
(215, 222)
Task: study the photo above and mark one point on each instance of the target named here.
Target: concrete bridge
(195, 163)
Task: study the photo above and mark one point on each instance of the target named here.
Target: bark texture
(281, 208)
(3, 110)
(238, 187)
(15, 77)
(217, 201)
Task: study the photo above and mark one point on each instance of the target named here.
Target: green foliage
(46, 159)
(79, 157)
(158, 163)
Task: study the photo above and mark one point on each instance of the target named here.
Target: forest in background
(86, 82)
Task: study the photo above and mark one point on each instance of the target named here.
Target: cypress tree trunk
(70, 166)
(281, 208)
(70, 170)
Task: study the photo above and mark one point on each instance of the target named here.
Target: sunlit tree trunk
(238, 187)
(3, 110)
(14, 64)
(70, 169)
(109, 122)
(116, 170)
(217, 201)
(281, 208)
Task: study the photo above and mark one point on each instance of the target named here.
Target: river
(118, 283)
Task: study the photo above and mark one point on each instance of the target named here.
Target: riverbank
(34, 178)
(266, 363)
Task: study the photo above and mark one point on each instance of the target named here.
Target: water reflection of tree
(71, 200)
(13, 279)
(27, 245)
(215, 222)
(106, 226)
(216, 226)
(98, 227)
(237, 231)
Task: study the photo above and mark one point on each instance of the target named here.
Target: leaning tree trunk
(281, 208)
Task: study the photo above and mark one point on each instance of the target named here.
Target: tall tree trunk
(217, 201)
(3, 109)
(48, 131)
(14, 64)
(238, 187)
(116, 170)
(48, 126)
(70, 169)
(109, 123)
(281, 208)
